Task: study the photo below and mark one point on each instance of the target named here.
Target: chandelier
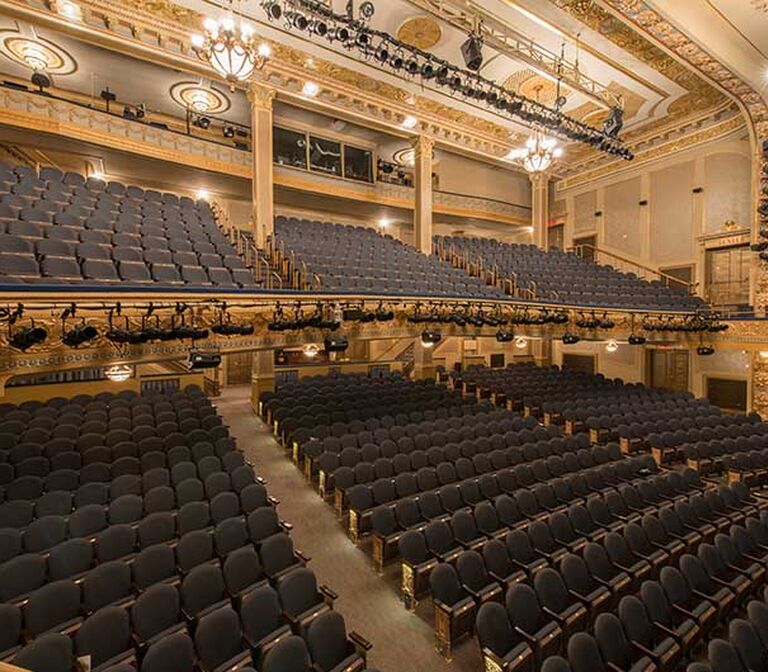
(230, 47)
(538, 154)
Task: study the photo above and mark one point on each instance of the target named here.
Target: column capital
(260, 95)
(539, 178)
(423, 145)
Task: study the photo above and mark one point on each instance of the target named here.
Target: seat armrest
(360, 642)
(273, 500)
(328, 595)
(684, 611)
(663, 629)
(287, 527)
(304, 558)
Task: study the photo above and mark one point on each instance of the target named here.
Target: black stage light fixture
(503, 336)
(759, 247)
(472, 52)
(396, 61)
(41, 81)
(200, 359)
(320, 28)
(442, 75)
(128, 113)
(108, 97)
(338, 344)
(412, 67)
(614, 123)
(340, 34)
(570, 339)
(430, 338)
(634, 339)
(363, 39)
(79, 334)
(273, 9)
(299, 21)
(26, 337)
(201, 122)
(228, 132)
(382, 54)
(427, 71)
(119, 336)
(705, 350)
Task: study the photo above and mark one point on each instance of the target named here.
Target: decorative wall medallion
(36, 53)
(422, 32)
(199, 98)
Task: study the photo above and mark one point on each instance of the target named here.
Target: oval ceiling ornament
(36, 53)
(199, 98)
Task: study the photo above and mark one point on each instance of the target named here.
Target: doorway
(668, 369)
(239, 368)
(588, 251)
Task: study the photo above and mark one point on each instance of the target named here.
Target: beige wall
(666, 231)
(465, 176)
(626, 363)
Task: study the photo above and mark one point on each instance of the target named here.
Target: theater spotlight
(472, 52)
(41, 81)
(503, 336)
(570, 339)
(200, 359)
(634, 339)
(230, 329)
(26, 337)
(705, 350)
(614, 123)
(338, 344)
(299, 21)
(430, 339)
(78, 335)
(273, 9)
(228, 132)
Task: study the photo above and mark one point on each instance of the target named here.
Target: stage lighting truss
(354, 33)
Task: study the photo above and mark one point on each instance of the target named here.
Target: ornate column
(261, 98)
(262, 377)
(759, 370)
(422, 177)
(540, 208)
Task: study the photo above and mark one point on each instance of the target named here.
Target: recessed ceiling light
(310, 89)
(202, 194)
(410, 122)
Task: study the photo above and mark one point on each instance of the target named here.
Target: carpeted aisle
(402, 641)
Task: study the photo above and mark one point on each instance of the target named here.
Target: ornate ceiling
(608, 52)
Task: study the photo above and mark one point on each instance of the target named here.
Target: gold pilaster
(261, 98)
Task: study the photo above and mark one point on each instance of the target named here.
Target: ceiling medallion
(530, 84)
(422, 32)
(199, 98)
(36, 53)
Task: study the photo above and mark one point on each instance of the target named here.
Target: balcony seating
(91, 232)
(555, 276)
(357, 259)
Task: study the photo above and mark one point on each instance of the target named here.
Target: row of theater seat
(658, 612)
(168, 516)
(744, 646)
(58, 228)
(562, 277)
(357, 258)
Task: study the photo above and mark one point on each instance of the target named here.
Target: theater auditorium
(383, 336)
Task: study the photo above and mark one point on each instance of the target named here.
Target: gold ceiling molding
(760, 5)
(422, 32)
